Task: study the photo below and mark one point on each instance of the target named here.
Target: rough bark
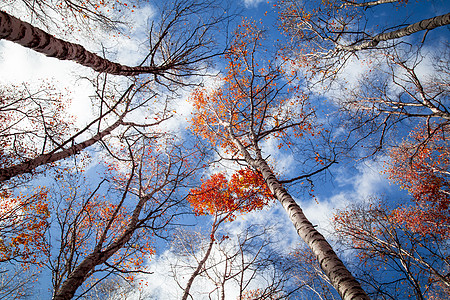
(25, 34)
(427, 24)
(341, 279)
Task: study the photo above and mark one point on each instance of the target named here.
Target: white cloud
(272, 216)
(253, 3)
(352, 186)
(19, 65)
(282, 162)
(162, 284)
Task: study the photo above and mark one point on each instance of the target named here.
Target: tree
(23, 225)
(176, 48)
(423, 168)
(391, 255)
(222, 199)
(246, 265)
(255, 104)
(110, 232)
(332, 32)
(36, 131)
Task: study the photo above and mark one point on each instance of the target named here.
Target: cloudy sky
(347, 183)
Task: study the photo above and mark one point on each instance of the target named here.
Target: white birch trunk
(341, 279)
(366, 4)
(25, 34)
(427, 24)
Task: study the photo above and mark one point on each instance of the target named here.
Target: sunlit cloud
(253, 3)
(162, 284)
(353, 186)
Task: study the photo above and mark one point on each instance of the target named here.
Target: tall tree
(391, 256)
(110, 230)
(178, 44)
(331, 32)
(257, 102)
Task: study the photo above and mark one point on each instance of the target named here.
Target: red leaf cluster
(244, 192)
(423, 168)
(23, 224)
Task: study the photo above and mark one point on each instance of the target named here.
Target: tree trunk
(200, 265)
(30, 165)
(79, 275)
(25, 34)
(341, 279)
(366, 4)
(427, 24)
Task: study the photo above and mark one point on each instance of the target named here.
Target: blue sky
(348, 182)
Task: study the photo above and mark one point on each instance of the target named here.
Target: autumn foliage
(257, 97)
(23, 226)
(31, 122)
(244, 192)
(391, 255)
(421, 165)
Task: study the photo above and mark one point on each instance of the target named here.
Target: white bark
(427, 24)
(366, 4)
(341, 279)
(27, 35)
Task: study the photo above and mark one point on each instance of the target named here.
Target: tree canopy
(299, 152)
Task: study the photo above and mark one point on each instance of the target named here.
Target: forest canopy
(224, 149)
